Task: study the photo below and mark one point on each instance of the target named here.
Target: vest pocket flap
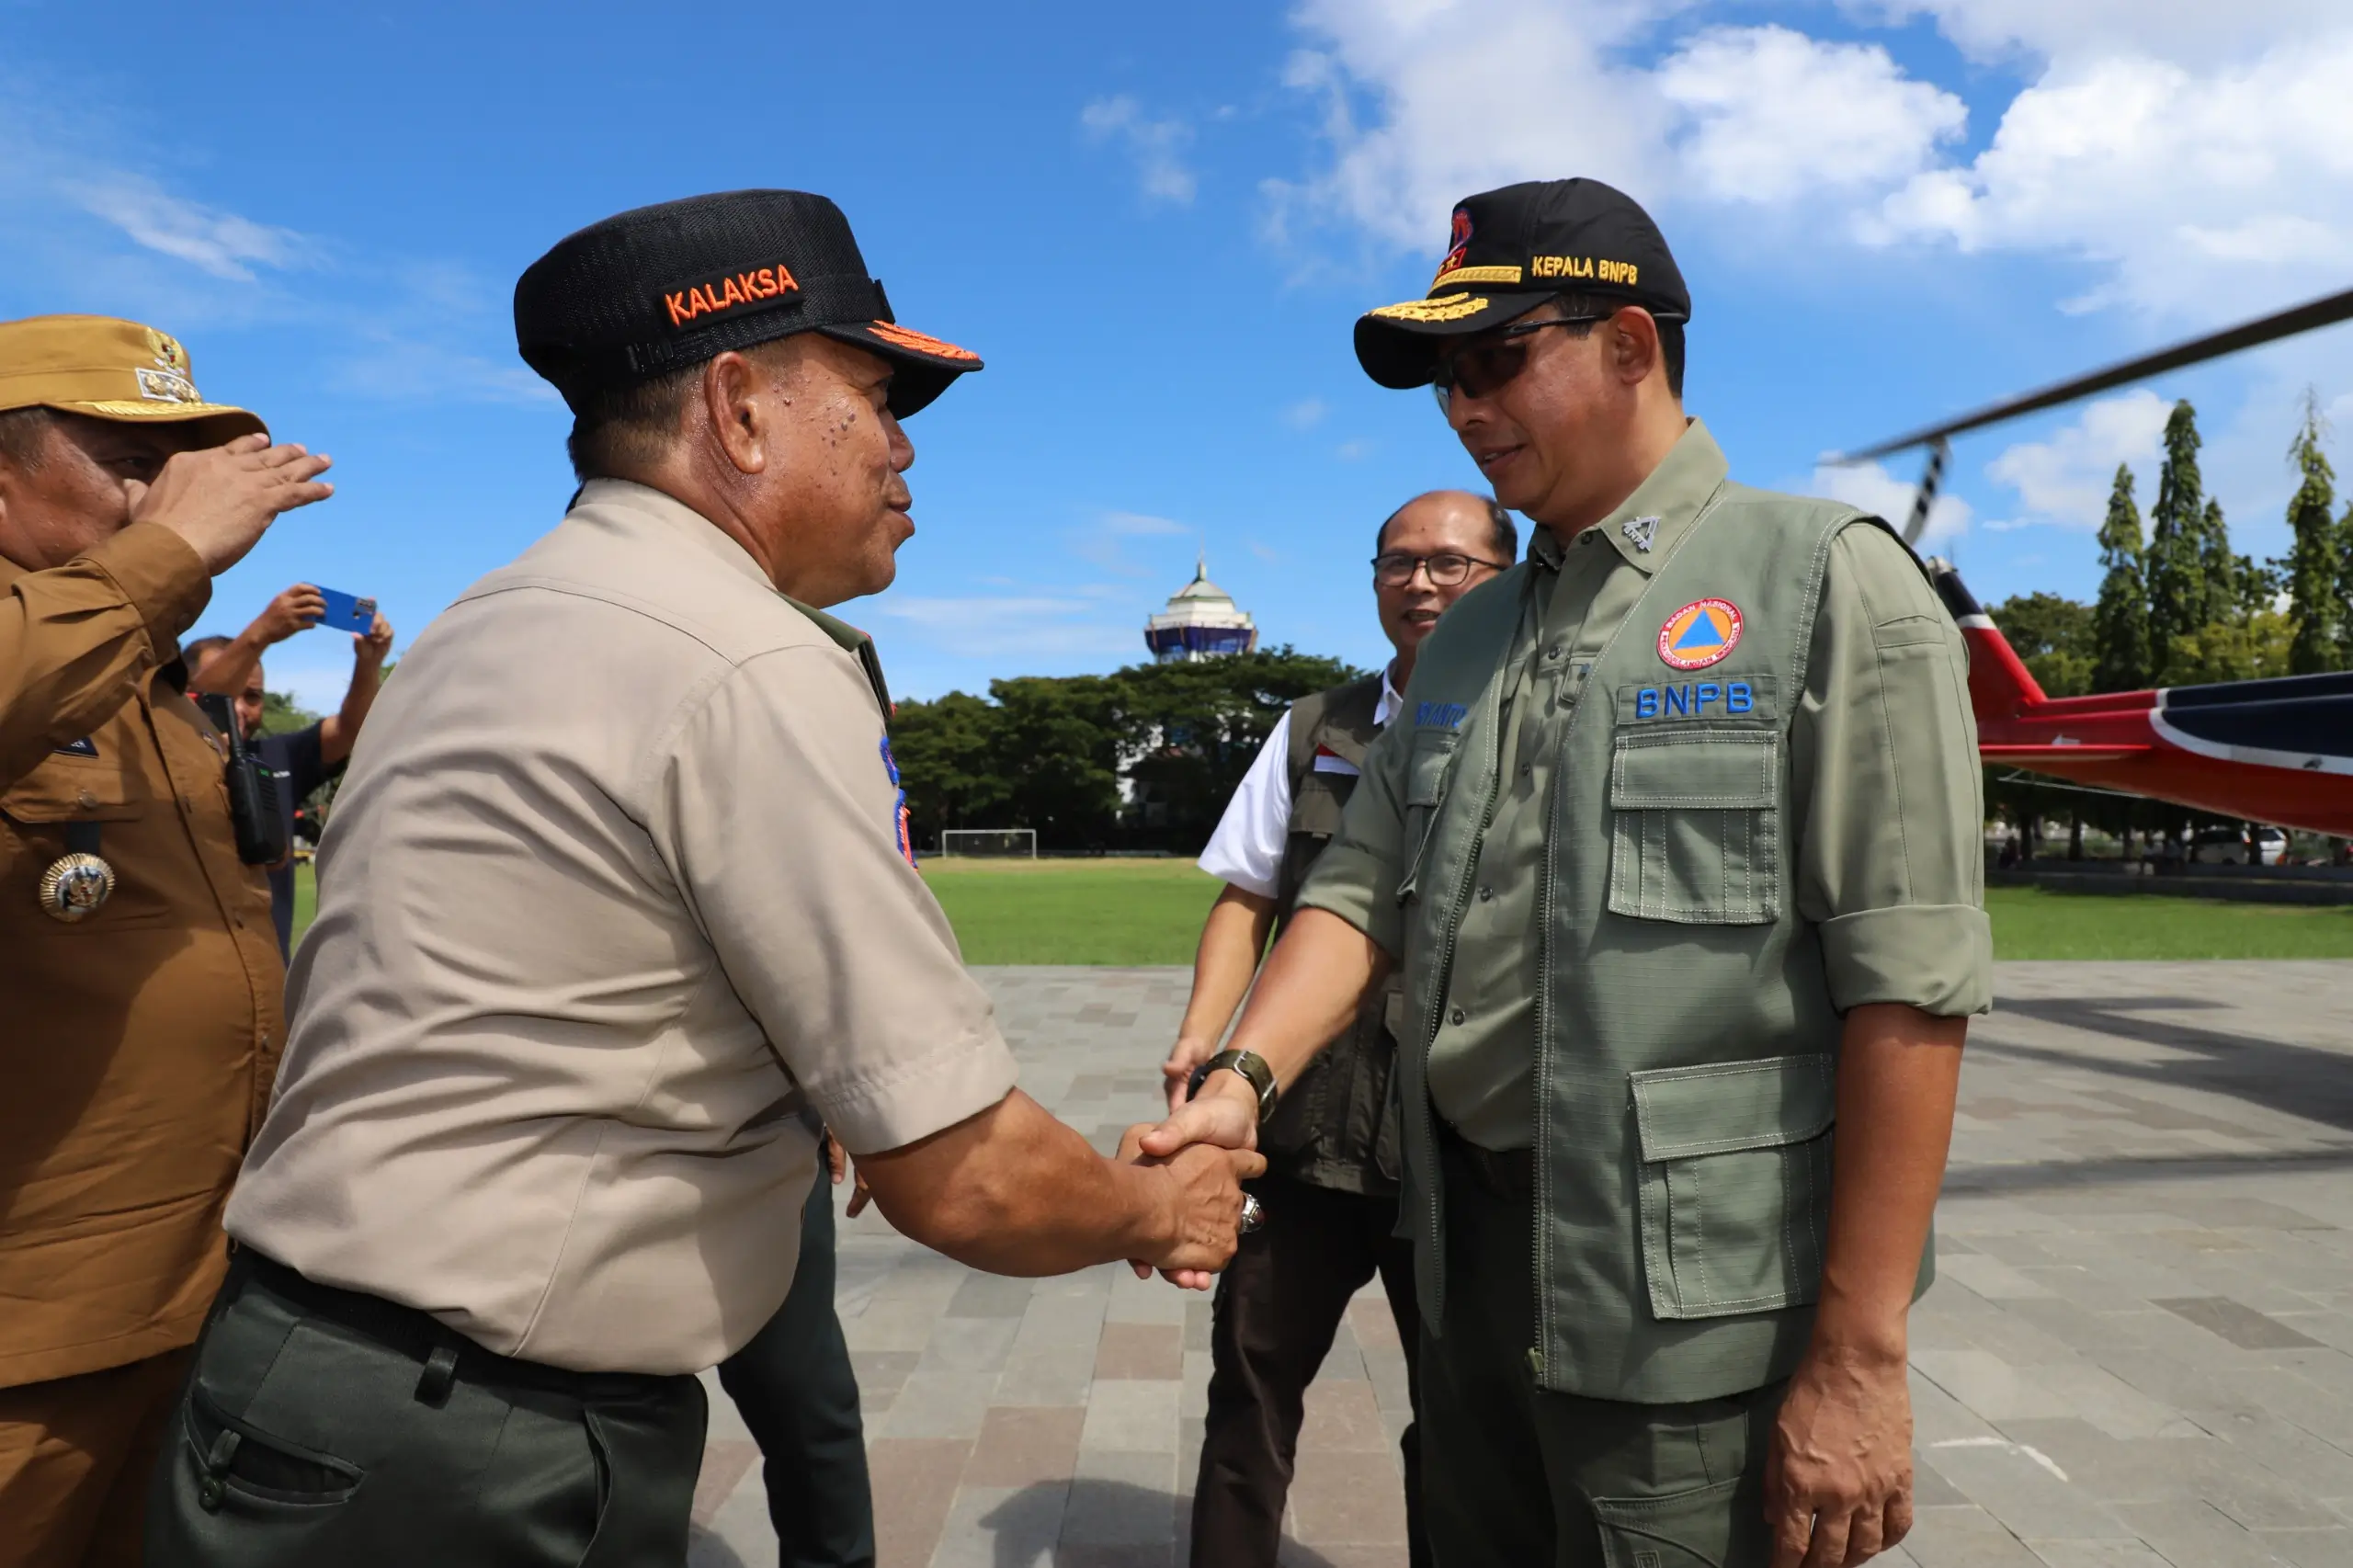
(1425, 766)
(1317, 808)
(1681, 1113)
(1695, 769)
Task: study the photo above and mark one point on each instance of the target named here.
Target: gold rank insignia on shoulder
(75, 887)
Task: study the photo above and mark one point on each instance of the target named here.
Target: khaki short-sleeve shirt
(614, 887)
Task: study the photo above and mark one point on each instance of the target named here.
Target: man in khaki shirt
(617, 885)
(139, 984)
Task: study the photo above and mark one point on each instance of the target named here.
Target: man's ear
(1634, 347)
(731, 388)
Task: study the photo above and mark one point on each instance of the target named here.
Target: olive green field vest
(1336, 1126)
(1686, 1041)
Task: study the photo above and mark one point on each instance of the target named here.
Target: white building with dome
(1200, 622)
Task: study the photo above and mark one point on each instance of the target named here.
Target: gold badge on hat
(75, 887)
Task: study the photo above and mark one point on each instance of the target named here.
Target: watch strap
(1255, 1073)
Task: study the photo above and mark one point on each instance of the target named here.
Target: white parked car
(2228, 846)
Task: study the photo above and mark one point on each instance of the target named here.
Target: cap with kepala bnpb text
(104, 368)
(662, 288)
(1512, 249)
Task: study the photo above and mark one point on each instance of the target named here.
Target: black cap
(666, 286)
(1510, 251)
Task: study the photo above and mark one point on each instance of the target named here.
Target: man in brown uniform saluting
(139, 976)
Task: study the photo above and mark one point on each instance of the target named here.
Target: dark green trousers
(323, 1429)
(1515, 1476)
(795, 1389)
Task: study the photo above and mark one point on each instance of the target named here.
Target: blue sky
(1157, 225)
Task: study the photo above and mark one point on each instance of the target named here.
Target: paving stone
(1141, 1350)
(1125, 1498)
(914, 1482)
(1132, 1414)
(990, 1296)
(1022, 1445)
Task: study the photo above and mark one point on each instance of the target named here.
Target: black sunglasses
(1485, 368)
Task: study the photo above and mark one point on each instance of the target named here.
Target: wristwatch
(1255, 1071)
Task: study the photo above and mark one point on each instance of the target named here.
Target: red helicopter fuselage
(2278, 750)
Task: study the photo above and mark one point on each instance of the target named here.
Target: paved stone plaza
(2139, 1351)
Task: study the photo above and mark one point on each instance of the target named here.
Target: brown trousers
(1279, 1304)
(75, 1456)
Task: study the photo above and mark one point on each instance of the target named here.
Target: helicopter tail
(2000, 686)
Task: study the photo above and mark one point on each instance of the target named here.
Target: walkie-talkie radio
(253, 789)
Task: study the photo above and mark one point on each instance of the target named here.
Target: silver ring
(1254, 1213)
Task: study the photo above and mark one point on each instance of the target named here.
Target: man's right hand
(221, 499)
(296, 610)
(1224, 1115)
(1203, 1208)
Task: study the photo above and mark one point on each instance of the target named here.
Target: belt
(1507, 1174)
(441, 1351)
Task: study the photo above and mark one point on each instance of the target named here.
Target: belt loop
(440, 1371)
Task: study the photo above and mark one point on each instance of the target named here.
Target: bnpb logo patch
(1701, 633)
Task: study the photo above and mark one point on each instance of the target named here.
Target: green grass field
(1149, 912)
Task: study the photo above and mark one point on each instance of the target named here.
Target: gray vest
(1336, 1126)
(1686, 1042)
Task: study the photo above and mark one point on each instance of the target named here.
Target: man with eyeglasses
(1330, 1192)
(1677, 849)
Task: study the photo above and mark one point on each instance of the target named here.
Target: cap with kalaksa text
(1510, 250)
(104, 368)
(659, 288)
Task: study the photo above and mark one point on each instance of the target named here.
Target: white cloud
(1034, 625)
(1757, 98)
(2186, 186)
(1156, 144)
(1306, 412)
(2066, 479)
(1102, 542)
(222, 243)
(2192, 31)
(2195, 161)
(1353, 451)
(1874, 489)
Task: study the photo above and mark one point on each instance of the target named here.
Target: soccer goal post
(1020, 843)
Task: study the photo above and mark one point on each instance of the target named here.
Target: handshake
(1208, 1146)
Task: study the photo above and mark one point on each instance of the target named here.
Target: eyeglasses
(1447, 570)
(1485, 368)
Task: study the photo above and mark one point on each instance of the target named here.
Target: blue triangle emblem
(1703, 633)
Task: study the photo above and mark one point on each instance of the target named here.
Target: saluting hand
(221, 499)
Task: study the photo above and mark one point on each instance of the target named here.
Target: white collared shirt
(1246, 850)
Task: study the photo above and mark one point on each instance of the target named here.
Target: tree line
(2178, 606)
(1143, 758)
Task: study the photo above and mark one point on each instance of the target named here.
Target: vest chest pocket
(1695, 825)
(1425, 774)
(1734, 1190)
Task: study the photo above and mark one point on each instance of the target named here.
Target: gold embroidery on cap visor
(1453, 307)
(1465, 275)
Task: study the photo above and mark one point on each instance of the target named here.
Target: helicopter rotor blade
(1938, 452)
(2326, 312)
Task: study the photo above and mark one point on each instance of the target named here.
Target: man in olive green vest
(1676, 846)
(1330, 1190)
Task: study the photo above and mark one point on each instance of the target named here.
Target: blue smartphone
(347, 613)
